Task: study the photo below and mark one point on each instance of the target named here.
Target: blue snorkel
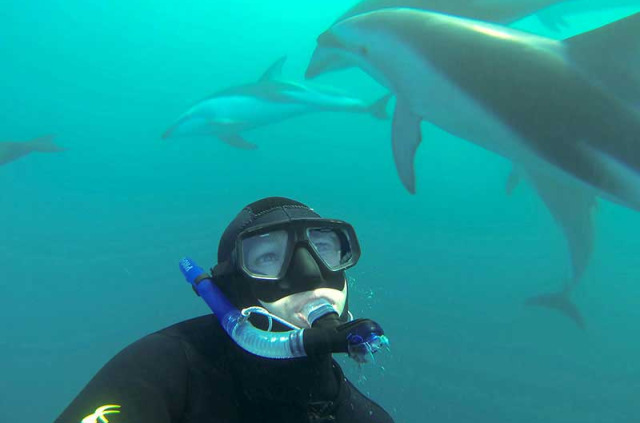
(359, 338)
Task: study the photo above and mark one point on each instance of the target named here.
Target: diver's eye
(267, 258)
(325, 247)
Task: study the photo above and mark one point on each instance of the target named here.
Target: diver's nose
(303, 266)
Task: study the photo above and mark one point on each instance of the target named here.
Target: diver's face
(292, 307)
(289, 269)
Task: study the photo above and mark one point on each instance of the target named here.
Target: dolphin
(608, 53)
(12, 150)
(232, 111)
(496, 11)
(525, 97)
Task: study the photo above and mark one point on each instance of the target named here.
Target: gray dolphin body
(235, 110)
(539, 102)
(12, 150)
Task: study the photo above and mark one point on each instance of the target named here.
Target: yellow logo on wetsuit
(99, 415)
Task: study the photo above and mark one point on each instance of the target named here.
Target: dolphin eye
(364, 51)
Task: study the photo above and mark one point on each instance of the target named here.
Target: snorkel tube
(360, 338)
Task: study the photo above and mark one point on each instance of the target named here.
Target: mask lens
(264, 254)
(332, 245)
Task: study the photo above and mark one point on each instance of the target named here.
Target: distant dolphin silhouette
(232, 111)
(534, 100)
(12, 150)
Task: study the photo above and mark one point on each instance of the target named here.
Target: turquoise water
(90, 238)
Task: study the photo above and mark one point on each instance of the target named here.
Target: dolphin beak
(328, 56)
(326, 60)
(172, 129)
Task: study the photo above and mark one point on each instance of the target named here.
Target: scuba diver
(279, 299)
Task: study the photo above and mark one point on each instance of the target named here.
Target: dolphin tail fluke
(611, 55)
(45, 144)
(378, 109)
(561, 302)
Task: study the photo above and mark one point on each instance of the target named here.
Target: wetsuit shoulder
(357, 407)
(365, 408)
(148, 381)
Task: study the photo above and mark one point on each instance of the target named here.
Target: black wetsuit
(193, 372)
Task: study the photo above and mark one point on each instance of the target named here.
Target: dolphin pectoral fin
(235, 140)
(559, 302)
(275, 71)
(512, 180)
(378, 109)
(405, 138)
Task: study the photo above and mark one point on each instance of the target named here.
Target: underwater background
(90, 238)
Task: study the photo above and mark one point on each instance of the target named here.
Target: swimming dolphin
(497, 11)
(511, 92)
(514, 93)
(609, 57)
(12, 150)
(608, 54)
(232, 111)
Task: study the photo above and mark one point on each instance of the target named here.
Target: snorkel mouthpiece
(318, 309)
(360, 338)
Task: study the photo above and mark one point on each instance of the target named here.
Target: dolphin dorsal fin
(275, 70)
(611, 55)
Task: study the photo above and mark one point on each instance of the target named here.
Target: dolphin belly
(325, 101)
(232, 115)
(250, 112)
